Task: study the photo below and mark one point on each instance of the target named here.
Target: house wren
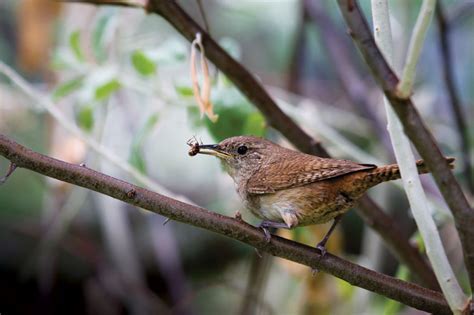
(286, 188)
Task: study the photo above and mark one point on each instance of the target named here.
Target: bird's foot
(238, 215)
(322, 251)
(322, 248)
(268, 235)
(267, 225)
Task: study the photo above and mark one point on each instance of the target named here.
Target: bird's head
(241, 156)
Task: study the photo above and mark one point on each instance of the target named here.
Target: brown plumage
(287, 188)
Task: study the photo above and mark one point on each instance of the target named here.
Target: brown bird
(286, 188)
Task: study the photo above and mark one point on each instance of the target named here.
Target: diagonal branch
(415, 129)
(456, 106)
(390, 231)
(407, 293)
(353, 84)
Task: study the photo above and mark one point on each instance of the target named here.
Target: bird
(287, 188)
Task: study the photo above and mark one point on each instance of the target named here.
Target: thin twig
(10, 170)
(454, 101)
(204, 16)
(407, 293)
(415, 129)
(297, 55)
(405, 85)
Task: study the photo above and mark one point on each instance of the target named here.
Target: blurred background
(110, 87)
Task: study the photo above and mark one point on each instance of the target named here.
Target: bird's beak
(213, 149)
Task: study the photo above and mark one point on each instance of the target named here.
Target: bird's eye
(242, 150)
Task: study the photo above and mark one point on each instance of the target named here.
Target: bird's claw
(322, 249)
(268, 236)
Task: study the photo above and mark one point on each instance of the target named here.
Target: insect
(194, 146)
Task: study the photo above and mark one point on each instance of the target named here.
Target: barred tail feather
(392, 171)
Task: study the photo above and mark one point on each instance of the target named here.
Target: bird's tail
(392, 171)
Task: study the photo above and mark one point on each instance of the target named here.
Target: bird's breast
(315, 203)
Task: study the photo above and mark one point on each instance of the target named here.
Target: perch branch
(407, 293)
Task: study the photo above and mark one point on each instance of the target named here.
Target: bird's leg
(322, 245)
(266, 225)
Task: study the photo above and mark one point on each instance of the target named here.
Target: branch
(404, 292)
(415, 129)
(397, 240)
(414, 50)
(351, 81)
(455, 296)
(248, 85)
(293, 81)
(456, 108)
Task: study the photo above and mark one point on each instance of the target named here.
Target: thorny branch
(407, 293)
(415, 129)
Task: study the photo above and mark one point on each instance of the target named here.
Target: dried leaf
(202, 95)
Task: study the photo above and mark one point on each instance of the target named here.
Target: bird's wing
(294, 171)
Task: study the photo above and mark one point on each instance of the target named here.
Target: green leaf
(136, 158)
(67, 88)
(254, 125)
(185, 91)
(75, 44)
(236, 119)
(142, 64)
(85, 118)
(97, 38)
(149, 125)
(230, 123)
(105, 90)
(420, 243)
